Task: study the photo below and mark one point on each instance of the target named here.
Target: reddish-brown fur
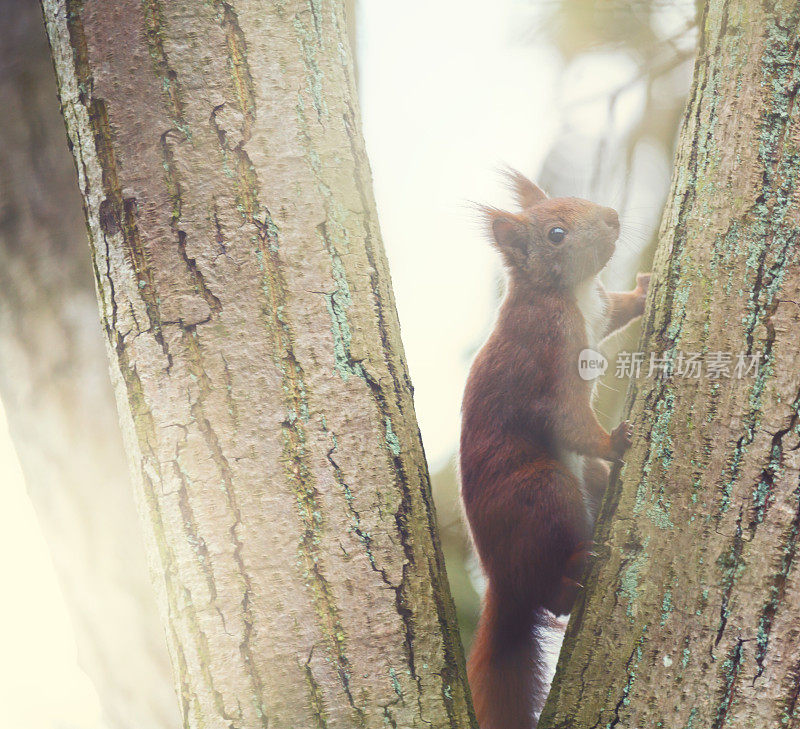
(524, 406)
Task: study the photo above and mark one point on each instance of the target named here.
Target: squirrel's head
(553, 241)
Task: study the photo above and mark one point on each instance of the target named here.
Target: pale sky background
(450, 93)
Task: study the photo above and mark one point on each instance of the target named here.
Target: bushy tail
(506, 667)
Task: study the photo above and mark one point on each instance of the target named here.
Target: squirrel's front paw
(621, 438)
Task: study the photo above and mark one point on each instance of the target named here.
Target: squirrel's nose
(611, 218)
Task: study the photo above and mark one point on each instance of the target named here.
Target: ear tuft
(525, 191)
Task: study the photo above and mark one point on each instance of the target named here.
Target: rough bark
(692, 612)
(58, 398)
(256, 354)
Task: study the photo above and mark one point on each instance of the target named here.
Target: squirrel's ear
(525, 191)
(508, 230)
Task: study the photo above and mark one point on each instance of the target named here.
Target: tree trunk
(256, 354)
(692, 611)
(58, 398)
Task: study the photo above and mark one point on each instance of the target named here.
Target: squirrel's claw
(621, 439)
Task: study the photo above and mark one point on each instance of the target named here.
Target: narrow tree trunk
(58, 398)
(256, 354)
(692, 612)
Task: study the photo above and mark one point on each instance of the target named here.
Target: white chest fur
(592, 304)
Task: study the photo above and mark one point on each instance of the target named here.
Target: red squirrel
(533, 456)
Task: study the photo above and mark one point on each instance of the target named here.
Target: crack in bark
(623, 700)
(175, 193)
(315, 694)
(153, 11)
(763, 495)
(731, 670)
(240, 68)
(730, 566)
(218, 456)
(197, 276)
(198, 412)
(777, 590)
(790, 708)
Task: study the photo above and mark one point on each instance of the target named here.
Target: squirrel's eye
(556, 235)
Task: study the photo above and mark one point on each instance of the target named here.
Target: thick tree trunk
(692, 612)
(256, 354)
(58, 398)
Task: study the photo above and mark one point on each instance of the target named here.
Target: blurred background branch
(62, 416)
